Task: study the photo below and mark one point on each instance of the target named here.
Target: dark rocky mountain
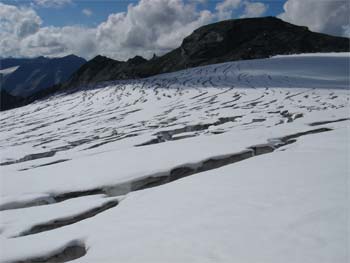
(230, 40)
(250, 38)
(34, 75)
(12, 62)
(102, 68)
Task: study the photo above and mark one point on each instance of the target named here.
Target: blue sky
(121, 29)
(71, 13)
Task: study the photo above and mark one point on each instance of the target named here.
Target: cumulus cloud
(329, 16)
(21, 34)
(254, 9)
(87, 12)
(16, 23)
(60, 41)
(151, 26)
(147, 27)
(226, 8)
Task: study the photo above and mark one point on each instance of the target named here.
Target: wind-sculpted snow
(208, 127)
(200, 100)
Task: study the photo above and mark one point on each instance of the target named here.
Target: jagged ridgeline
(28, 77)
(230, 40)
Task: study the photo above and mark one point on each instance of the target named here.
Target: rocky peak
(136, 60)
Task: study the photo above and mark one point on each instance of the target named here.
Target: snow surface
(291, 205)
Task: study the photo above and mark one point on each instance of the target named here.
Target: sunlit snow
(237, 162)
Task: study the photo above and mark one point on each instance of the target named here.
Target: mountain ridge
(229, 40)
(36, 74)
(224, 41)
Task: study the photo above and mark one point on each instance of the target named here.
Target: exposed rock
(61, 222)
(153, 180)
(327, 122)
(73, 251)
(102, 68)
(30, 157)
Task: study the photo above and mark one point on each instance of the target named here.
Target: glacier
(242, 161)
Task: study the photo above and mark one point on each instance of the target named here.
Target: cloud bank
(327, 16)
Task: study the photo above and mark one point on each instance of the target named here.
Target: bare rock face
(137, 60)
(254, 38)
(203, 45)
(102, 68)
(240, 39)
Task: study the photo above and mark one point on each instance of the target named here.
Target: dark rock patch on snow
(68, 221)
(326, 122)
(71, 252)
(30, 157)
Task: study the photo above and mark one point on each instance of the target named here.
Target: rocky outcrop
(102, 68)
(240, 39)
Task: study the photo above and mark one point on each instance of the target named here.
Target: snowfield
(243, 161)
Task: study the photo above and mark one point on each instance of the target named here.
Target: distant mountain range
(12, 62)
(34, 75)
(230, 40)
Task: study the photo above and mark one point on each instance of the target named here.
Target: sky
(121, 29)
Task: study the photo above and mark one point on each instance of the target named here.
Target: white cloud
(226, 8)
(87, 12)
(21, 34)
(147, 27)
(327, 16)
(254, 9)
(52, 3)
(151, 26)
(60, 41)
(16, 23)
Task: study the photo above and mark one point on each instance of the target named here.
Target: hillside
(242, 161)
(229, 40)
(34, 75)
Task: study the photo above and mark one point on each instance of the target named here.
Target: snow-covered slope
(243, 161)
